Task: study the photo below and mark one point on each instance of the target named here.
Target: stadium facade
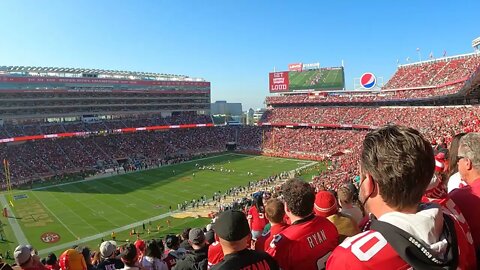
(73, 94)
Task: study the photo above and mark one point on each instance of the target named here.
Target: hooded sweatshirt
(374, 249)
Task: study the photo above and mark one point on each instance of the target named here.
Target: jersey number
(356, 248)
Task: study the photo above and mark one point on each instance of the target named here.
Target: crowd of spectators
(10, 130)
(366, 97)
(422, 80)
(33, 160)
(434, 73)
(297, 225)
(433, 121)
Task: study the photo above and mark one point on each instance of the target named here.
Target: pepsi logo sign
(368, 80)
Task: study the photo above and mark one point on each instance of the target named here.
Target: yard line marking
(59, 220)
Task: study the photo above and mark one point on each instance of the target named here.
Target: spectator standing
(396, 166)
(345, 199)
(174, 253)
(152, 259)
(454, 178)
(309, 240)
(198, 259)
(468, 198)
(256, 217)
(326, 206)
(24, 258)
(71, 259)
(129, 257)
(108, 261)
(234, 235)
(275, 213)
(85, 251)
(51, 262)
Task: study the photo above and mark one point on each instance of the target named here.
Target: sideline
(17, 231)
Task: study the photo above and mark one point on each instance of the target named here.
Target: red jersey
(305, 245)
(170, 260)
(257, 220)
(467, 199)
(215, 254)
(370, 250)
(263, 242)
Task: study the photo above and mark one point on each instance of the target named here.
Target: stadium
(92, 155)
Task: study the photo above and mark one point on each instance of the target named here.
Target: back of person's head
(470, 148)
(71, 259)
(23, 256)
(258, 203)
(196, 237)
(325, 204)
(152, 249)
(233, 230)
(172, 241)
(453, 154)
(85, 251)
(184, 234)
(400, 161)
(129, 254)
(51, 259)
(107, 249)
(299, 197)
(345, 195)
(274, 210)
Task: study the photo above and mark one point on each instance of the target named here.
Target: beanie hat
(325, 204)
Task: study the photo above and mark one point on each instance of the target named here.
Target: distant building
(221, 107)
(257, 115)
(249, 117)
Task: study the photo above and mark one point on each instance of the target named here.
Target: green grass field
(87, 211)
(329, 79)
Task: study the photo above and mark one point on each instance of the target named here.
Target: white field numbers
(356, 248)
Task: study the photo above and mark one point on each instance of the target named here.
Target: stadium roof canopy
(65, 72)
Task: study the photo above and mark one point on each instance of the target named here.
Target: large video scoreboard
(300, 77)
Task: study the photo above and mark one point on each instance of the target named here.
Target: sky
(233, 44)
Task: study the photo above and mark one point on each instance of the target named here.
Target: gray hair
(470, 148)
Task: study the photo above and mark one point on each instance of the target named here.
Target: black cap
(231, 225)
(171, 240)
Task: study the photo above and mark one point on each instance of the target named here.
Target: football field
(57, 217)
(327, 79)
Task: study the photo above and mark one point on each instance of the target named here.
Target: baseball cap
(171, 240)
(22, 254)
(71, 259)
(196, 236)
(107, 249)
(325, 204)
(231, 225)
